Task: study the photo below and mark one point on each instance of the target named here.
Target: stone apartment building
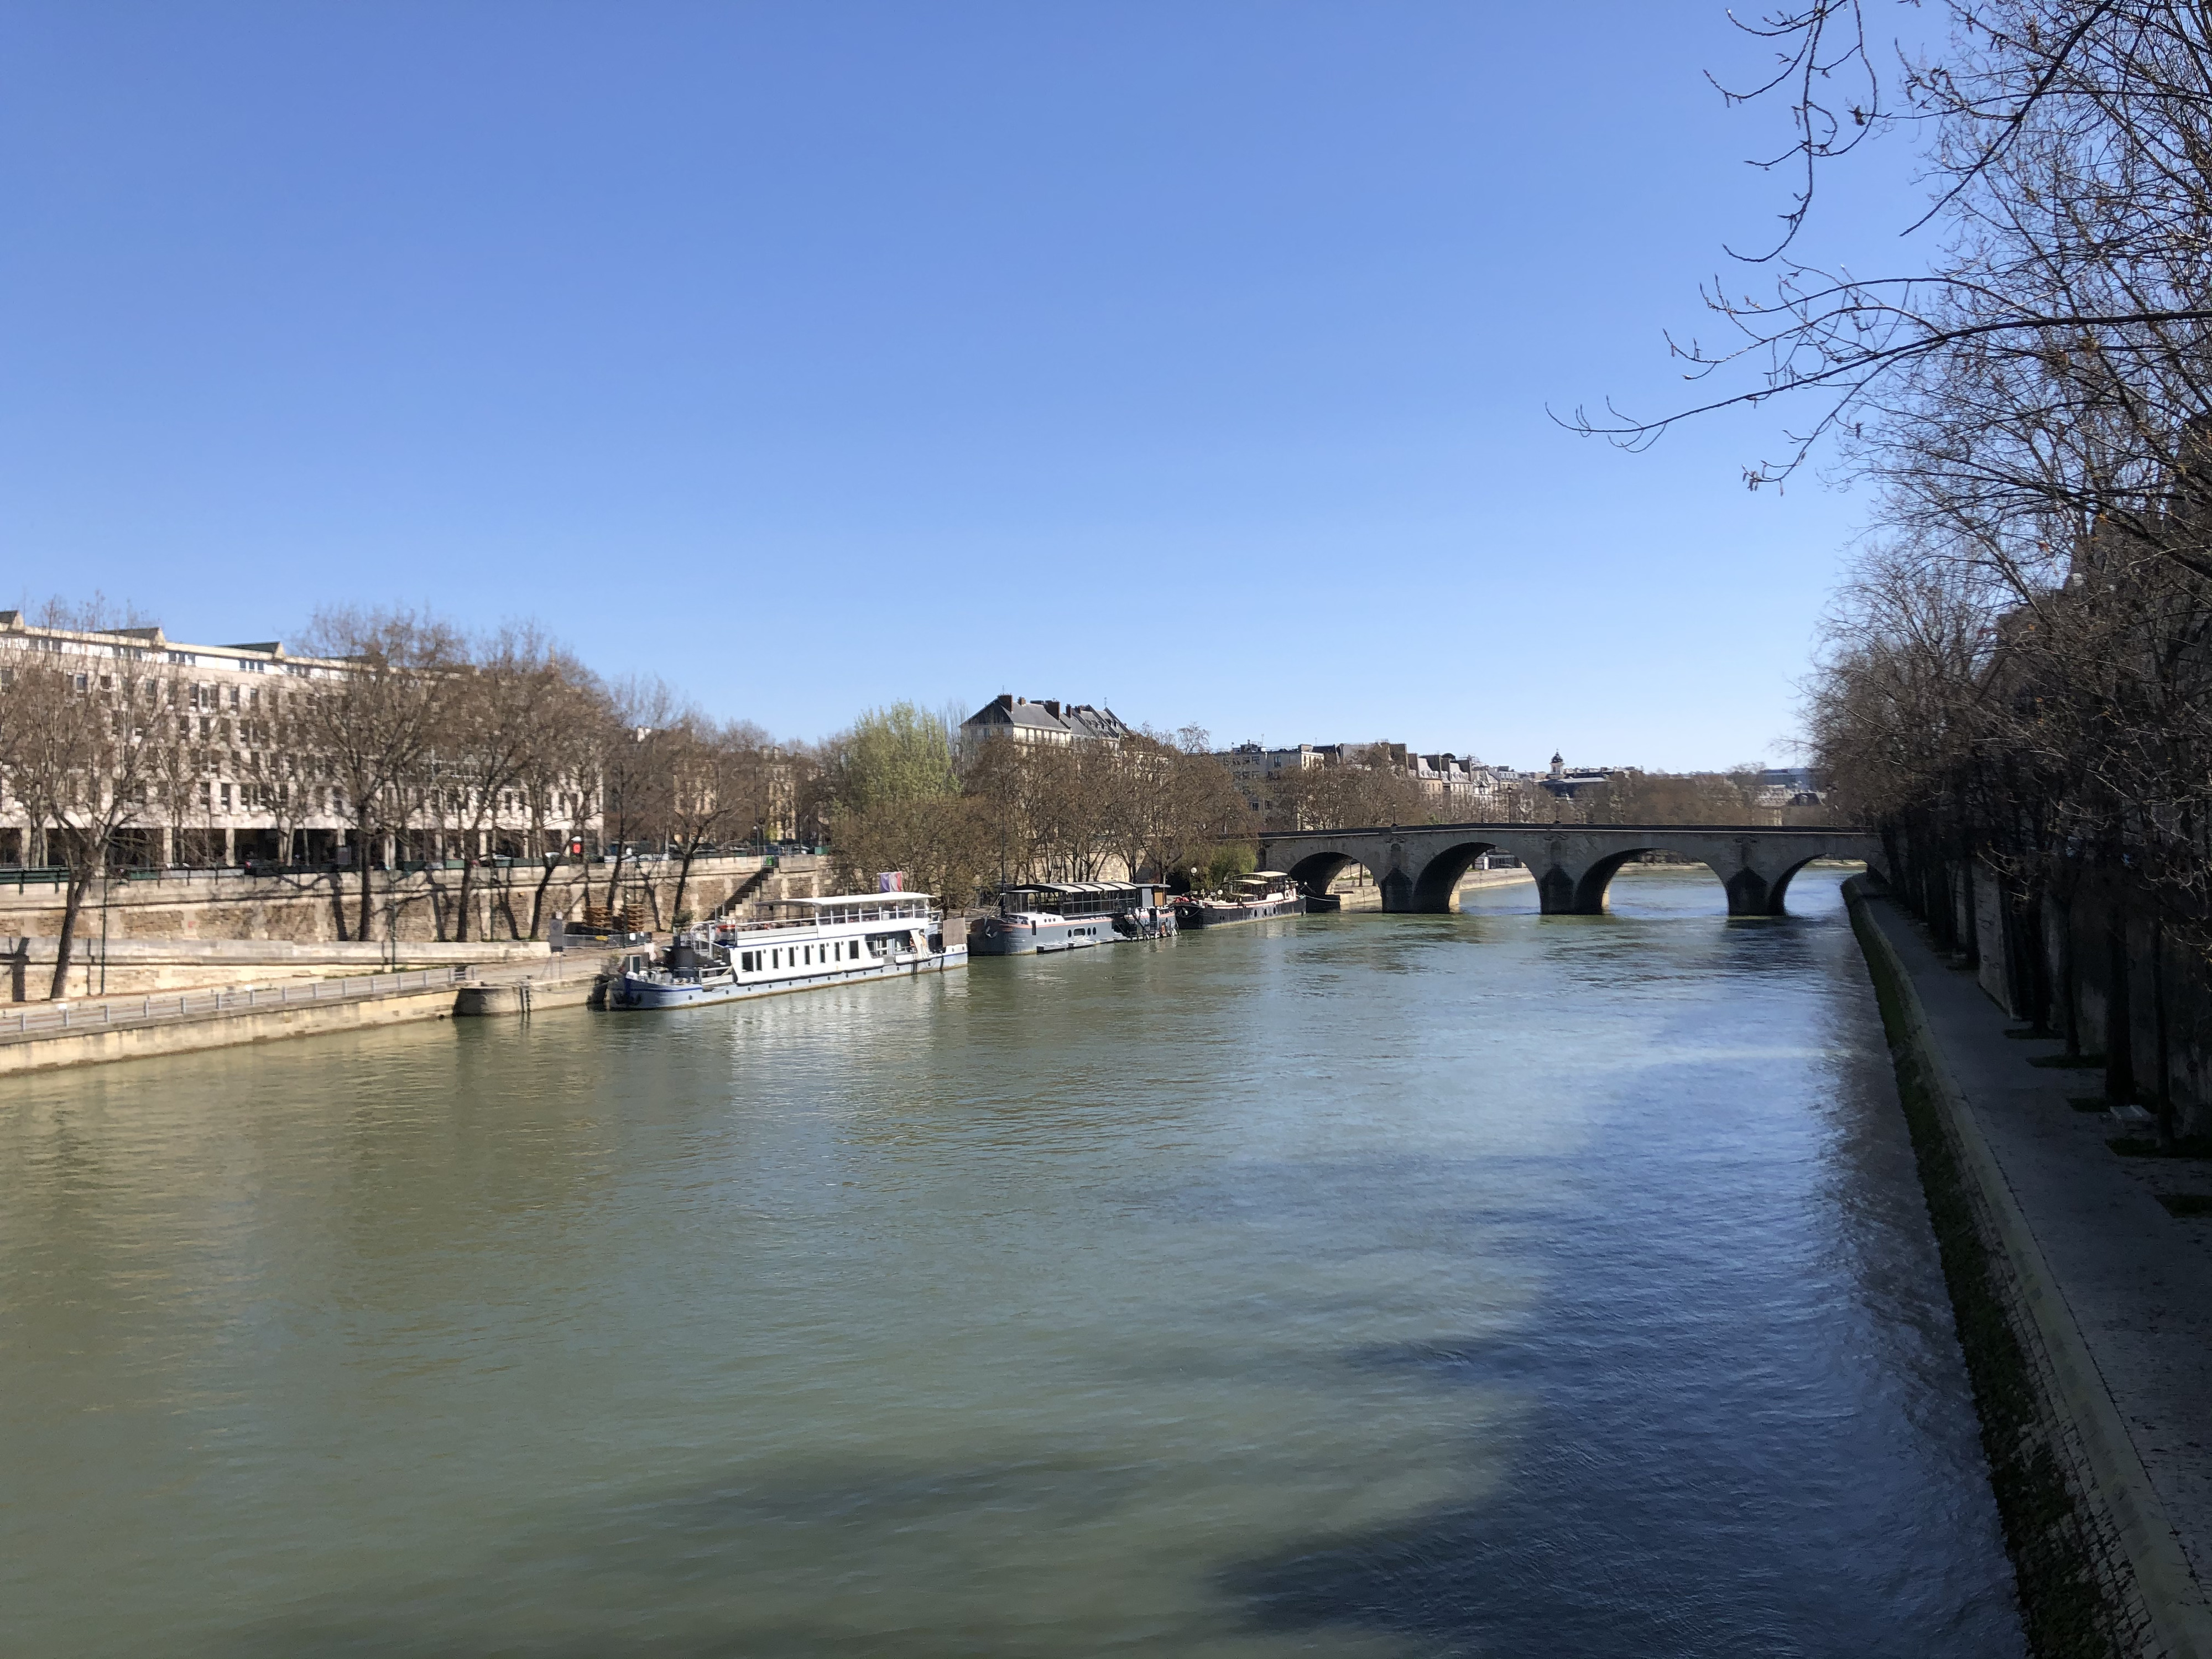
(1461, 789)
(254, 798)
(1048, 724)
(1464, 790)
(1259, 773)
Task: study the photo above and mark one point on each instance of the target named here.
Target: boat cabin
(1078, 898)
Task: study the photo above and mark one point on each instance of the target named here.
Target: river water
(1366, 1284)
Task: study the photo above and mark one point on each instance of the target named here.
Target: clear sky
(1191, 357)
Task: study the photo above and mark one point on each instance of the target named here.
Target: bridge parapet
(1417, 867)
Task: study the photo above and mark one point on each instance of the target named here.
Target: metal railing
(170, 1008)
(17, 877)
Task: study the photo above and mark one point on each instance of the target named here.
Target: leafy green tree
(895, 803)
(1231, 862)
(896, 755)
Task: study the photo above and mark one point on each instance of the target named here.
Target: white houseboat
(801, 945)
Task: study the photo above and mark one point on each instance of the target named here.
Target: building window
(226, 797)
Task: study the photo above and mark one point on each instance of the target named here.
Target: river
(1483, 1283)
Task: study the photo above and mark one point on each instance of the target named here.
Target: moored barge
(1258, 897)
(800, 945)
(1070, 915)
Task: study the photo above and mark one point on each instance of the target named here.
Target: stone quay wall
(158, 933)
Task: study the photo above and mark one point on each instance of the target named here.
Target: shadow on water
(851, 1560)
(1464, 1285)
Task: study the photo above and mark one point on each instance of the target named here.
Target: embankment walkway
(2115, 1290)
(43, 1036)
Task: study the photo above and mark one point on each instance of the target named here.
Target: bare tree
(558, 777)
(375, 726)
(1638, 796)
(79, 737)
(490, 730)
(1369, 785)
(633, 777)
(716, 790)
(1198, 809)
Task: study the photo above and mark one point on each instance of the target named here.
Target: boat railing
(728, 926)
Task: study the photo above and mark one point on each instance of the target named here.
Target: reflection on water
(1481, 1284)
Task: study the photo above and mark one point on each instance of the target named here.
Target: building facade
(1569, 782)
(1047, 724)
(239, 785)
(1269, 778)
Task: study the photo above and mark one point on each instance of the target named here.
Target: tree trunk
(2119, 1015)
(367, 895)
(506, 902)
(2162, 1047)
(2035, 914)
(65, 947)
(537, 900)
(2069, 976)
(468, 883)
(683, 880)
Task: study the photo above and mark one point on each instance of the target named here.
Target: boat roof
(1268, 875)
(859, 898)
(1077, 886)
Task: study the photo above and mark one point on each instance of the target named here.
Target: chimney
(1051, 706)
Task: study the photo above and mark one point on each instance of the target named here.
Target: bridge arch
(1751, 891)
(1441, 876)
(1314, 872)
(1591, 886)
(1418, 867)
(1780, 884)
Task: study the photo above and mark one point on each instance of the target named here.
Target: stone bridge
(1418, 866)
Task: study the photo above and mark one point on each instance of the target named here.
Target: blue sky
(1193, 357)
